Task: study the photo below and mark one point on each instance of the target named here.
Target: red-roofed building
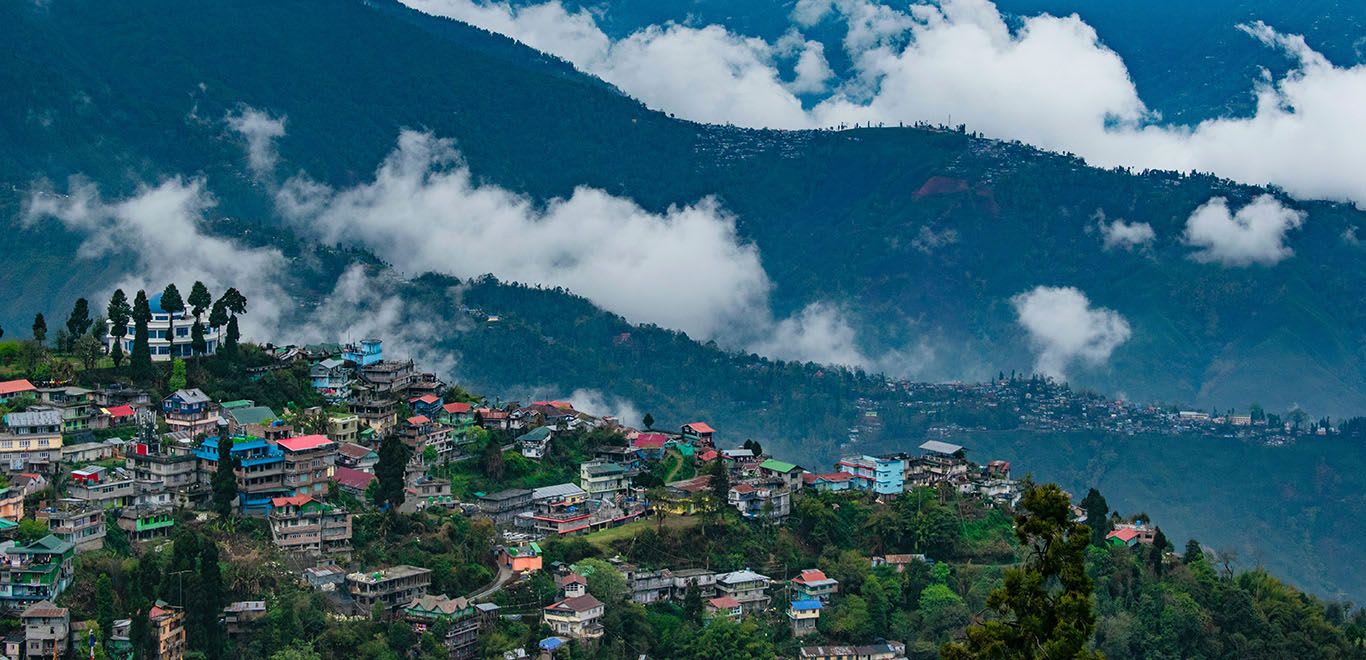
(725, 606)
(117, 416)
(699, 433)
(814, 584)
(831, 481)
(168, 624)
(309, 463)
(352, 480)
(650, 446)
(418, 420)
(1129, 534)
(456, 414)
(13, 389)
(302, 524)
(708, 456)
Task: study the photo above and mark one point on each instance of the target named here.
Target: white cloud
(160, 227)
(1064, 329)
(595, 403)
(260, 130)
(819, 333)
(1049, 82)
(685, 268)
(1126, 235)
(1253, 235)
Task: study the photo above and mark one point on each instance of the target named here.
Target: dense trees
(1097, 515)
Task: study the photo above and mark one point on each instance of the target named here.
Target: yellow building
(169, 624)
(29, 439)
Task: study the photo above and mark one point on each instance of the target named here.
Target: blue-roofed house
(260, 474)
(803, 616)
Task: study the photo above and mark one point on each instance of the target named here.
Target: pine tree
(104, 604)
(199, 299)
(1097, 516)
(79, 322)
(393, 462)
(1156, 553)
(720, 483)
(141, 359)
(692, 602)
(210, 601)
(649, 421)
(224, 481)
(197, 342)
(119, 313)
(1194, 552)
(39, 329)
(230, 337)
(172, 304)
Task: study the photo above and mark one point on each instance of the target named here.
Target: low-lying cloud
(260, 130)
(1049, 81)
(1253, 235)
(1126, 235)
(1064, 329)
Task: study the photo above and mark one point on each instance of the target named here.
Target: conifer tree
(119, 313)
(224, 481)
(39, 329)
(172, 304)
(393, 462)
(79, 321)
(141, 359)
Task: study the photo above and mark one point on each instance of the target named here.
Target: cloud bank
(1048, 81)
(1126, 235)
(1253, 235)
(1065, 330)
(260, 130)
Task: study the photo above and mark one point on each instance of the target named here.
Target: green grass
(605, 538)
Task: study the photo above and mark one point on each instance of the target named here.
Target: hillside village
(551, 501)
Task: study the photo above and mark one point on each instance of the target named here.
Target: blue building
(261, 472)
(367, 352)
(884, 476)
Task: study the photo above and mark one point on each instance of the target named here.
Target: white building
(168, 335)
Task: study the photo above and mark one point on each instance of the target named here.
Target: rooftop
(937, 447)
(304, 443)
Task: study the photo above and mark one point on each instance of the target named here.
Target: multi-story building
(419, 432)
(309, 463)
(332, 379)
(504, 506)
(243, 616)
(168, 624)
(578, 615)
(463, 622)
(190, 410)
(357, 457)
(16, 389)
(648, 585)
(813, 584)
(390, 588)
(699, 578)
(364, 353)
(47, 630)
(33, 572)
(725, 607)
(343, 428)
(145, 523)
(426, 492)
(76, 404)
(11, 504)
(789, 474)
(750, 589)
(168, 335)
(105, 488)
(303, 524)
(880, 651)
(260, 471)
(882, 475)
(940, 462)
(78, 522)
(388, 377)
(535, 443)
(770, 499)
(602, 480)
(803, 615)
(164, 475)
(374, 409)
(31, 440)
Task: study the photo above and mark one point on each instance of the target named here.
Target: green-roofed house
(463, 620)
(240, 418)
(788, 473)
(239, 403)
(34, 572)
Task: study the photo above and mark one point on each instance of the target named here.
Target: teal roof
(777, 465)
(254, 415)
(536, 435)
(47, 545)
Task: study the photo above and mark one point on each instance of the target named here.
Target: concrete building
(164, 476)
(168, 626)
(76, 404)
(77, 522)
(34, 572)
(105, 488)
(47, 630)
(190, 410)
(504, 506)
(884, 476)
(750, 589)
(146, 523)
(309, 463)
(31, 440)
(578, 615)
(803, 615)
(11, 504)
(260, 472)
(168, 335)
(390, 588)
(813, 584)
(602, 480)
(770, 499)
(303, 524)
(343, 428)
(357, 457)
(463, 619)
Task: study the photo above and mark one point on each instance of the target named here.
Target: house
(424, 491)
(882, 651)
(114, 416)
(504, 506)
(364, 353)
(813, 584)
(830, 482)
(243, 616)
(168, 624)
(681, 497)
(11, 503)
(36, 571)
(650, 446)
(493, 420)
(146, 523)
(725, 606)
(770, 500)
(357, 457)
(343, 429)
(521, 559)
(309, 462)
(90, 452)
(47, 629)
(168, 335)
(602, 480)
(260, 472)
(789, 474)
(463, 620)
(16, 389)
(535, 443)
(456, 414)
(75, 403)
(427, 405)
(77, 522)
(884, 476)
(331, 378)
(1128, 535)
(388, 377)
(998, 469)
(31, 440)
(693, 578)
(164, 475)
(325, 577)
(578, 614)
(190, 410)
(352, 480)
(750, 589)
(240, 418)
(803, 615)
(698, 433)
(374, 409)
(648, 585)
(105, 488)
(390, 588)
(306, 525)
(940, 462)
(898, 562)
(28, 483)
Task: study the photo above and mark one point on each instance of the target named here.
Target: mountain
(922, 238)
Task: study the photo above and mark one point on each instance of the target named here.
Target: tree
(1155, 554)
(79, 322)
(723, 639)
(39, 328)
(492, 459)
(692, 602)
(199, 299)
(720, 483)
(88, 350)
(224, 481)
(104, 604)
(119, 313)
(178, 379)
(605, 582)
(1097, 515)
(31, 530)
(1194, 552)
(141, 359)
(649, 421)
(197, 342)
(1045, 604)
(209, 601)
(231, 337)
(390, 471)
(878, 603)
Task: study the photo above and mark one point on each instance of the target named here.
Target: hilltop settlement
(171, 492)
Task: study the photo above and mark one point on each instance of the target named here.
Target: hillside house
(390, 588)
(788, 474)
(769, 499)
(364, 353)
(168, 335)
(535, 443)
(302, 524)
(750, 589)
(34, 572)
(650, 446)
(31, 440)
(521, 558)
(190, 410)
(725, 607)
(76, 404)
(331, 378)
(884, 476)
(16, 389)
(602, 480)
(357, 457)
(813, 584)
(309, 462)
(699, 434)
(578, 614)
(47, 629)
(803, 616)
(77, 522)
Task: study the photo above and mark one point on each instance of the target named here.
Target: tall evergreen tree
(79, 321)
(1194, 552)
(199, 299)
(231, 336)
(119, 313)
(1157, 551)
(39, 328)
(209, 602)
(1097, 516)
(198, 344)
(104, 605)
(720, 483)
(172, 304)
(393, 462)
(224, 481)
(141, 359)
(1045, 605)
